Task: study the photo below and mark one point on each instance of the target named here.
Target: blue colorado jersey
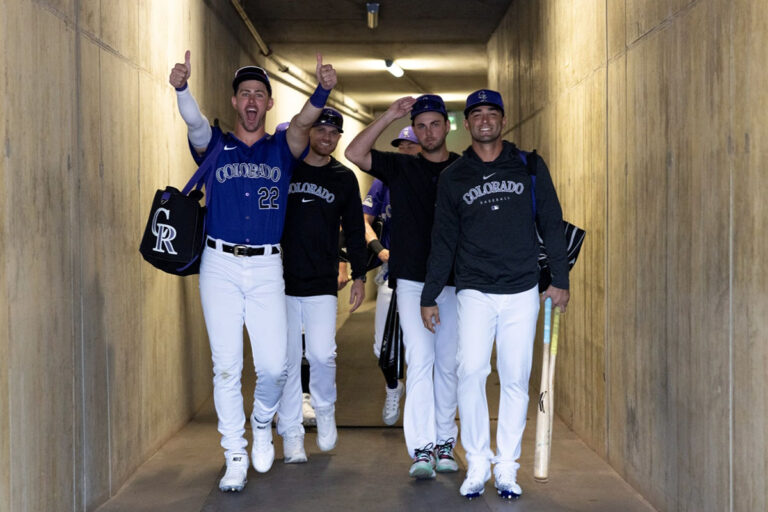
(249, 190)
(376, 203)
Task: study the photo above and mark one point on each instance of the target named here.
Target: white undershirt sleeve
(198, 128)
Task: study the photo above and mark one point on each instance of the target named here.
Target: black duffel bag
(174, 237)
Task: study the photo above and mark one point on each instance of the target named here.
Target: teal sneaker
(446, 463)
(423, 467)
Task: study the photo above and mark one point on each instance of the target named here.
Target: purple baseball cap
(484, 97)
(405, 134)
(251, 73)
(282, 126)
(428, 103)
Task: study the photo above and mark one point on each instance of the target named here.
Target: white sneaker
(474, 483)
(234, 478)
(293, 448)
(391, 411)
(506, 484)
(326, 428)
(307, 411)
(263, 451)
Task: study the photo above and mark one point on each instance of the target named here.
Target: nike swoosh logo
(307, 200)
(227, 148)
(486, 177)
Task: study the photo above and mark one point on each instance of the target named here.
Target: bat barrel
(543, 423)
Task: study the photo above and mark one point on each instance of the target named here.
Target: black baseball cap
(428, 103)
(330, 117)
(251, 73)
(484, 97)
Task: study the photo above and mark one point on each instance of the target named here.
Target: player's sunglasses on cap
(330, 117)
(428, 103)
(251, 73)
(405, 134)
(484, 97)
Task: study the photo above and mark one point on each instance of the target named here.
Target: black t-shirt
(318, 198)
(412, 182)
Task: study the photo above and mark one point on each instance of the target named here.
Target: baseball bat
(552, 361)
(541, 451)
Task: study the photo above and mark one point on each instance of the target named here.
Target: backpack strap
(531, 162)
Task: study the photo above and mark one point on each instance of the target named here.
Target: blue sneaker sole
(508, 495)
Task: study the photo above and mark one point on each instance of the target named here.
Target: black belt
(244, 250)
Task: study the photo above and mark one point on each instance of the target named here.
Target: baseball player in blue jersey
(241, 272)
(377, 208)
(485, 230)
(429, 423)
(322, 193)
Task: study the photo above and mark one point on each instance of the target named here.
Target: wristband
(179, 89)
(375, 246)
(319, 97)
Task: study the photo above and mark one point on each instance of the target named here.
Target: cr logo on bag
(164, 233)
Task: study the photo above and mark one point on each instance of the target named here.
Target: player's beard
(322, 149)
(486, 137)
(433, 146)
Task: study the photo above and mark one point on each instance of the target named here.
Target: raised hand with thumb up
(326, 75)
(181, 72)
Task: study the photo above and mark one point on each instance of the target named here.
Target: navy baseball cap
(484, 97)
(405, 134)
(428, 103)
(330, 117)
(251, 73)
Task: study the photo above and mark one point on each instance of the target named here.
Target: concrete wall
(652, 116)
(102, 357)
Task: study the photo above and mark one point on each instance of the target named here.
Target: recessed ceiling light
(393, 68)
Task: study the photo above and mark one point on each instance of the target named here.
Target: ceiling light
(394, 68)
(373, 14)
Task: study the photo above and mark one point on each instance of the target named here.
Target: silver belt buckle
(239, 250)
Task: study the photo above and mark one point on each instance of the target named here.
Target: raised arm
(297, 134)
(359, 150)
(198, 128)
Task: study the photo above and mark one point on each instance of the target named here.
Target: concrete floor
(369, 467)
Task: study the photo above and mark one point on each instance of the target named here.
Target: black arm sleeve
(445, 237)
(549, 218)
(354, 228)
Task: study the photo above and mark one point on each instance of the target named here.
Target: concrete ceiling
(440, 45)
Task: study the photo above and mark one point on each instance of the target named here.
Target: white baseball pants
(429, 415)
(236, 291)
(383, 298)
(317, 314)
(511, 320)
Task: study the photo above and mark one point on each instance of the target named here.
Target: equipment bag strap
(531, 161)
(203, 175)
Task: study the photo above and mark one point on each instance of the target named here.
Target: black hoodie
(484, 227)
